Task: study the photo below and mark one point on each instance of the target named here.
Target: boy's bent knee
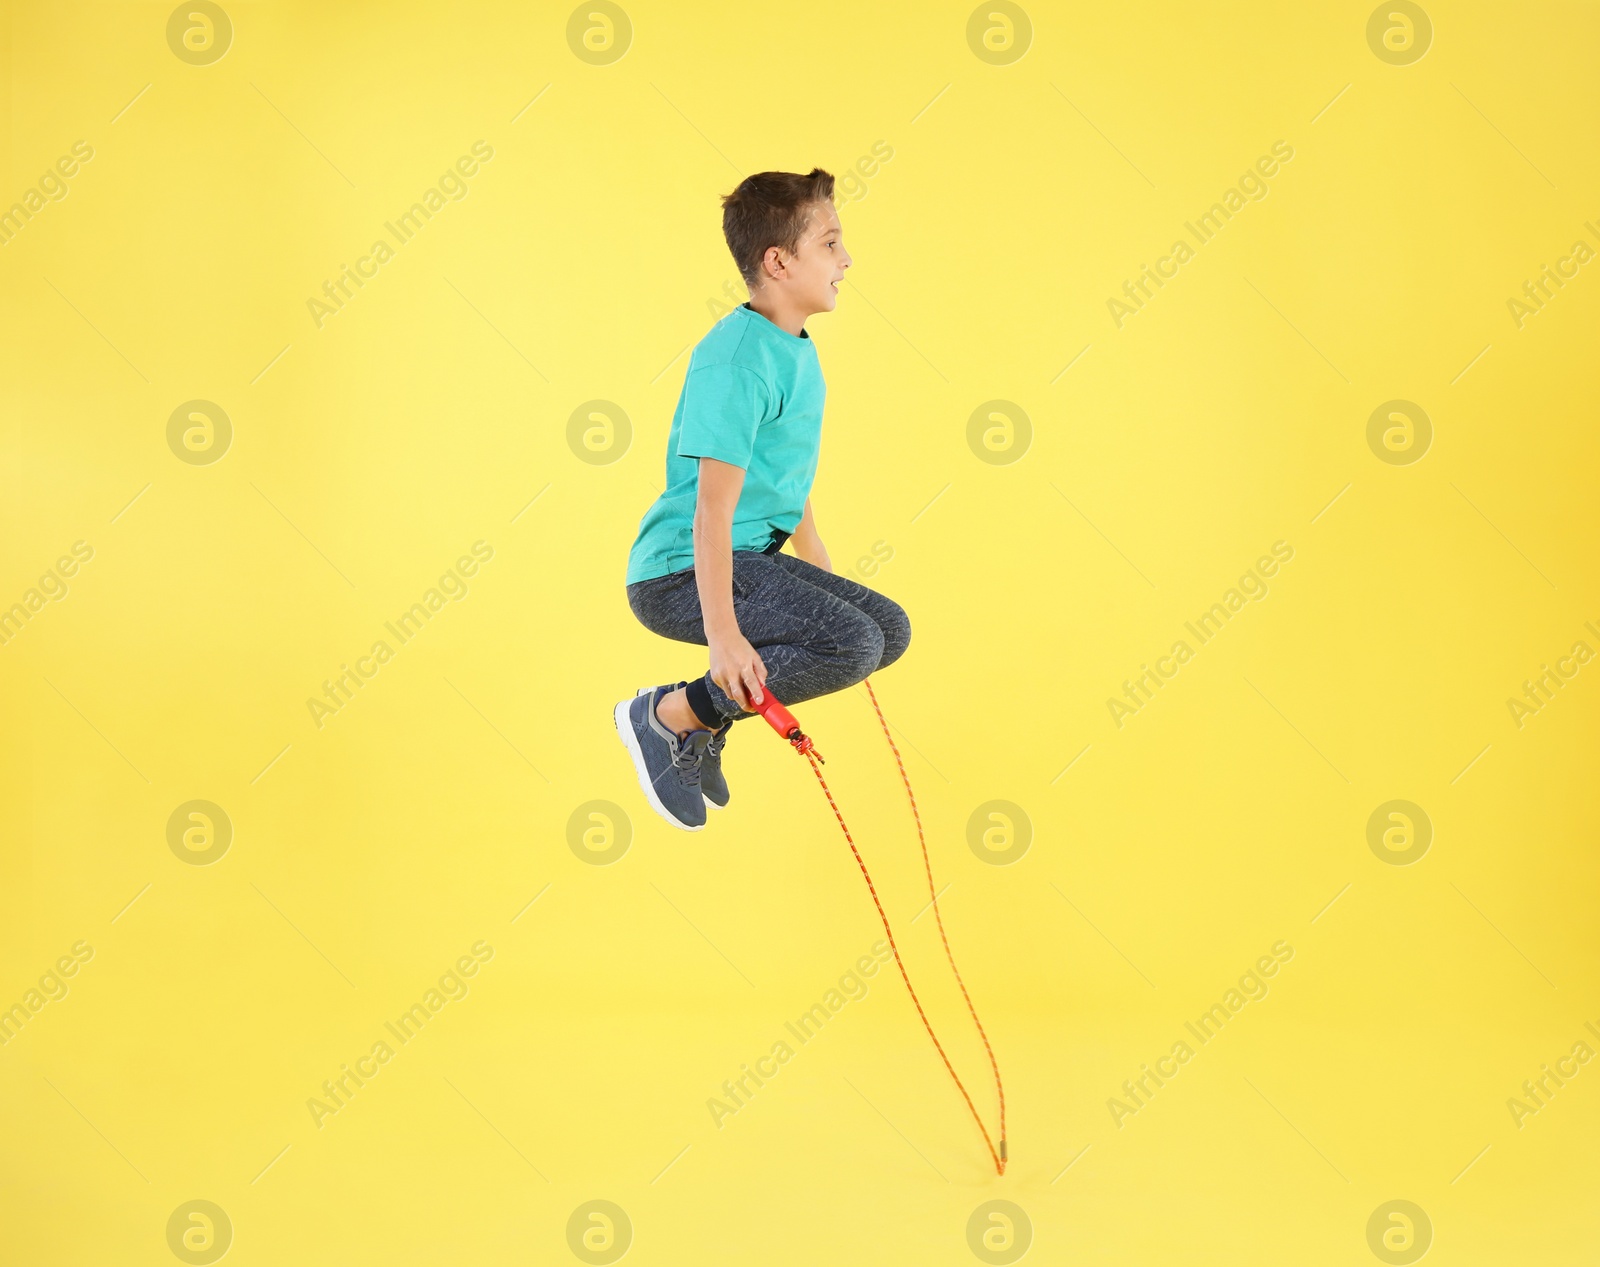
(896, 631)
(864, 654)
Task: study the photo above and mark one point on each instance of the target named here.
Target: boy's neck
(786, 317)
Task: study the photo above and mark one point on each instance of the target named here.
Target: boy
(741, 456)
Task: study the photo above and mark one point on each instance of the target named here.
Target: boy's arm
(735, 666)
(807, 544)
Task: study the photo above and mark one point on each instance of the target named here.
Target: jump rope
(782, 721)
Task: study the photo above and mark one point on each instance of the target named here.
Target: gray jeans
(816, 632)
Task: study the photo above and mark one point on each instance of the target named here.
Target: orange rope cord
(1000, 1091)
(810, 755)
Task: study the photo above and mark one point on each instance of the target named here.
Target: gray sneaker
(668, 768)
(712, 785)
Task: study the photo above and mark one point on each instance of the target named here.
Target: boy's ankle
(681, 719)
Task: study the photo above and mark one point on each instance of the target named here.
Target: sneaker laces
(686, 761)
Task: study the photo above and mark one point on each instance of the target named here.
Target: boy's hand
(737, 669)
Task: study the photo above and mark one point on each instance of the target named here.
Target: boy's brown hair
(770, 209)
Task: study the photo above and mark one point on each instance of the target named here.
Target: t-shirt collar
(802, 337)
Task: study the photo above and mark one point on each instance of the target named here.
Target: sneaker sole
(630, 741)
(710, 804)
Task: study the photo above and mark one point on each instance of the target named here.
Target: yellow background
(583, 264)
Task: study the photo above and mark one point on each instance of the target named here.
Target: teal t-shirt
(752, 397)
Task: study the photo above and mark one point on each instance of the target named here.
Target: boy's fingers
(754, 683)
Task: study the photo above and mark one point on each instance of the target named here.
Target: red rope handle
(810, 755)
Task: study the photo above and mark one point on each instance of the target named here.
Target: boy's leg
(812, 641)
(889, 616)
(665, 605)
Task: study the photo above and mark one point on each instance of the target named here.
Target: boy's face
(811, 276)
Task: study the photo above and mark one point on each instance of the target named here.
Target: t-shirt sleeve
(723, 405)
